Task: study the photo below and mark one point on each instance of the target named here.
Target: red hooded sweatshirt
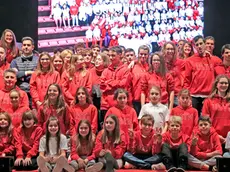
(96, 76)
(89, 112)
(84, 150)
(189, 117)
(112, 79)
(174, 144)
(222, 70)
(206, 144)
(16, 114)
(5, 102)
(199, 74)
(143, 145)
(166, 84)
(2, 69)
(217, 108)
(117, 150)
(127, 119)
(69, 86)
(7, 143)
(137, 72)
(45, 112)
(27, 141)
(40, 83)
(176, 69)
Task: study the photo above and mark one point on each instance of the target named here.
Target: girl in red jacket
(58, 63)
(3, 65)
(16, 110)
(157, 76)
(54, 105)
(175, 147)
(83, 109)
(42, 78)
(26, 142)
(144, 147)
(205, 146)
(127, 115)
(76, 76)
(82, 145)
(66, 55)
(217, 106)
(188, 114)
(110, 144)
(6, 135)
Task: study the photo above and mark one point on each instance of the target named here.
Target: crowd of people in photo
(118, 22)
(95, 108)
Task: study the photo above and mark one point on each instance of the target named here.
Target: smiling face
(27, 47)
(83, 129)
(81, 96)
(14, 98)
(156, 62)
(122, 100)
(58, 63)
(9, 37)
(109, 124)
(3, 121)
(45, 62)
(99, 62)
(222, 85)
(154, 96)
(169, 52)
(209, 44)
(28, 123)
(53, 127)
(204, 127)
(174, 127)
(53, 93)
(143, 55)
(10, 80)
(187, 49)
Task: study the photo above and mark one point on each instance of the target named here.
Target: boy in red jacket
(205, 146)
(144, 147)
(176, 146)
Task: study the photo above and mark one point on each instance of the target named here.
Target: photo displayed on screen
(63, 23)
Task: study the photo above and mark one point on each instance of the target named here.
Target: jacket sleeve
(72, 129)
(33, 87)
(144, 84)
(41, 118)
(132, 146)
(217, 144)
(170, 82)
(206, 110)
(67, 119)
(188, 74)
(89, 83)
(98, 145)
(74, 155)
(34, 151)
(122, 80)
(11, 145)
(25, 99)
(18, 143)
(119, 149)
(65, 82)
(135, 121)
(104, 80)
(94, 115)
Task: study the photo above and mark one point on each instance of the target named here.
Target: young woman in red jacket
(54, 105)
(76, 76)
(157, 76)
(42, 78)
(83, 109)
(66, 55)
(101, 62)
(185, 110)
(205, 146)
(110, 144)
(27, 142)
(58, 63)
(16, 110)
(217, 106)
(127, 115)
(9, 43)
(3, 65)
(82, 145)
(6, 135)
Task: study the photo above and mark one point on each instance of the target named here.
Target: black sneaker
(173, 169)
(180, 170)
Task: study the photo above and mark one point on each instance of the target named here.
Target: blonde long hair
(13, 45)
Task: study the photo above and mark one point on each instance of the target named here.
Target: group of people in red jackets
(95, 108)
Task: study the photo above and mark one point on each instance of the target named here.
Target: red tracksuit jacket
(111, 79)
(189, 118)
(199, 74)
(218, 109)
(89, 112)
(143, 145)
(95, 76)
(117, 150)
(183, 138)
(5, 99)
(7, 144)
(69, 86)
(127, 118)
(166, 84)
(16, 114)
(40, 83)
(84, 151)
(222, 70)
(206, 144)
(176, 69)
(137, 72)
(2, 69)
(45, 112)
(27, 141)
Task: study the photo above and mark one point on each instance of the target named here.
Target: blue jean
(142, 161)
